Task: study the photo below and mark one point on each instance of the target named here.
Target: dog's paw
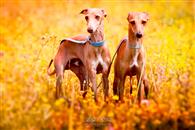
(145, 102)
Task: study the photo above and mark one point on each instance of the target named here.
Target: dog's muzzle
(139, 35)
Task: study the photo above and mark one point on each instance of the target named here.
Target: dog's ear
(130, 16)
(104, 13)
(84, 11)
(146, 16)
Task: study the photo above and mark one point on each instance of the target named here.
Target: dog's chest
(98, 61)
(134, 59)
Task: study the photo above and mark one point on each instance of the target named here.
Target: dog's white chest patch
(97, 61)
(76, 63)
(134, 60)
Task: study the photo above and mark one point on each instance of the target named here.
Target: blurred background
(30, 33)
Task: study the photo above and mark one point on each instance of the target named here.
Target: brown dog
(75, 65)
(130, 58)
(88, 59)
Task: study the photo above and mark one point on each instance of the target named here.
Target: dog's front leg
(143, 83)
(105, 75)
(146, 86)
(106, 85)
(140, 85)
(92, 78)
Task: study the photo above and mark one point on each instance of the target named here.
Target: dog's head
(137, 21)
(94, 17)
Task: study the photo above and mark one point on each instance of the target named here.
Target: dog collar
(135, 46)
(97, 44)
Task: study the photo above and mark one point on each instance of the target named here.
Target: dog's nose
(138, 35)
(90, 30)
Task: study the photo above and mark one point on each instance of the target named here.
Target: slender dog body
(130, 60)
(68, 57)
(85, 60)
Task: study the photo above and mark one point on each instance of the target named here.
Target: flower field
(30, 34)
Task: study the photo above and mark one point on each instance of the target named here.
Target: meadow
(30, 34)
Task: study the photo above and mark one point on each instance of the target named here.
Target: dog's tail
(109, 67)
(48, 71)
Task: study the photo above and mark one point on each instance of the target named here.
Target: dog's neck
(132, 39)
(98, 35)
(134, 46)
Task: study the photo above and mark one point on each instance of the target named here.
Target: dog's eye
(86, 17)
(97, 17)
(143, 22)
(132, 22)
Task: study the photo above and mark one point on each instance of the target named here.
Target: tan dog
(92, 58)
(130, 58)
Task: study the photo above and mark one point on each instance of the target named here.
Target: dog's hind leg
(115, 86)
(59, 75)
(77, 70)
(80, 72)
(118, 86)
(83, 78)
(131, 88)
(121, 88)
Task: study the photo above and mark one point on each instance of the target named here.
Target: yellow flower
(59, 102)
(115, 97)
(110, 114)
